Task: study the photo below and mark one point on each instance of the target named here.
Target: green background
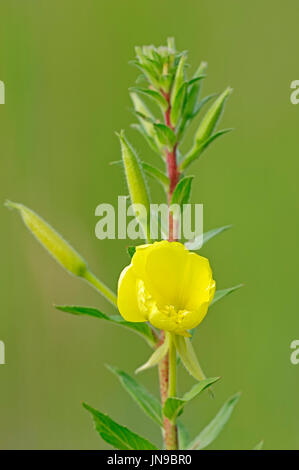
(65, 67)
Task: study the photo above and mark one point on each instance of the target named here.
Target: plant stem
(167, 367)
(104, 290)
(172, 368)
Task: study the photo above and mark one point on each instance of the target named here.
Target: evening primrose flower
(166, 285)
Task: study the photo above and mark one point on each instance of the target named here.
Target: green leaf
(117, 435)
(177, 105)
(153, 95)
(211, 432)
(212, 117)
(183, 435)
(194, 91)
(156, 174)
(165, 135)
(157, 356)
(182, 192)
(219, 294)
(146, 120)
(148, 72)
(259, 446)
(200, 147)
(201, 104)
(200, 241)
(151, 141)
(147, 402)
(131, 251)
(179, 79)
(174, 406)
(143, 329)
(187, 354)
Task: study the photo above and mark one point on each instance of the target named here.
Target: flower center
(149, 307)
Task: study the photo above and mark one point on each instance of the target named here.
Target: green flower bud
(136, 182)
(61, 251)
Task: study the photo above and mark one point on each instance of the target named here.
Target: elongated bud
(136, 183)
(179, 79)
(212, 116)
(61, 251)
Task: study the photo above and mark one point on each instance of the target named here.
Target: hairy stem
(172, 368)
(167, 367)
(101, 287)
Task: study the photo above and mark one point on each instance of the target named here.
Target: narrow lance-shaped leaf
(153, 95)
(165, 135)
(157, 356)
(117, 435)
(199, 241)
(174, 406)
(176, 109)
(219, 294)
(156, 174)
(183, 435)
(212, 117)
(179, 79)
(149, 140)
(194, 91)
(199, 148)
(136, 184)
(147, 402)
(143, 329)
(146, 124)
(59, 249)
(211, 432)
(182, 192)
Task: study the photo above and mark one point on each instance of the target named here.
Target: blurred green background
(65, 67)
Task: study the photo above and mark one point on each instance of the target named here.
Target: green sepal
(157, 355)
(187, 354)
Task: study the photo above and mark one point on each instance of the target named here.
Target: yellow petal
(165, 265)
(127, 296)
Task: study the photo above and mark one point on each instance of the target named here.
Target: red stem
(170, 429)
(172, 169)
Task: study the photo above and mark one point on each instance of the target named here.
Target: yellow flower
(166, 285)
